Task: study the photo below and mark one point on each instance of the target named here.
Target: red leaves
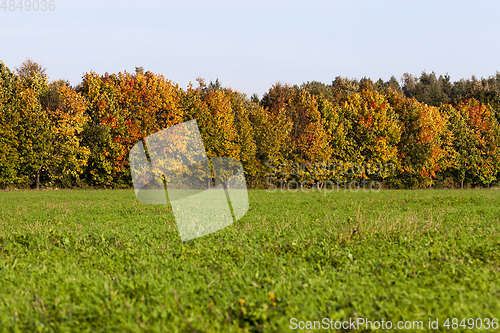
(366, 121)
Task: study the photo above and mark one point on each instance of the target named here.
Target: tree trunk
(37, 184)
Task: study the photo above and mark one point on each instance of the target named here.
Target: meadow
(100, 261)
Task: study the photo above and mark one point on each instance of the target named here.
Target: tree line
(417, 132)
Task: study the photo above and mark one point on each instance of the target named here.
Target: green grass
(100, 261)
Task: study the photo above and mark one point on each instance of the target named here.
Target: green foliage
(318, 88)
(428, 89)
(436, 91)
(35, 137)
(41, 123)
(9, 154)
(388, 86)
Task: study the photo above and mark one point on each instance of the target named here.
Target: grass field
(100, 261)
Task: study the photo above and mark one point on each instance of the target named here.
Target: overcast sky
(250, 45)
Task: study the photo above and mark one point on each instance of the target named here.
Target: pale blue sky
(251, 45)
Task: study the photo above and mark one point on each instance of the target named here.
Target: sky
(251, 45)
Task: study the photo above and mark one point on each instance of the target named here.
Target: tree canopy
(418, 132)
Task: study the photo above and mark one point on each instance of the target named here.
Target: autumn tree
(425, 145)
(50, 118)
(123, 109)
(318, 88)
(67, 115)
(224, 122)
(9, 117)
(342, 87)
(273, 126)
(33, 76)
(299, 129)
(476, 133)
(369, 137)
(33, 129)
